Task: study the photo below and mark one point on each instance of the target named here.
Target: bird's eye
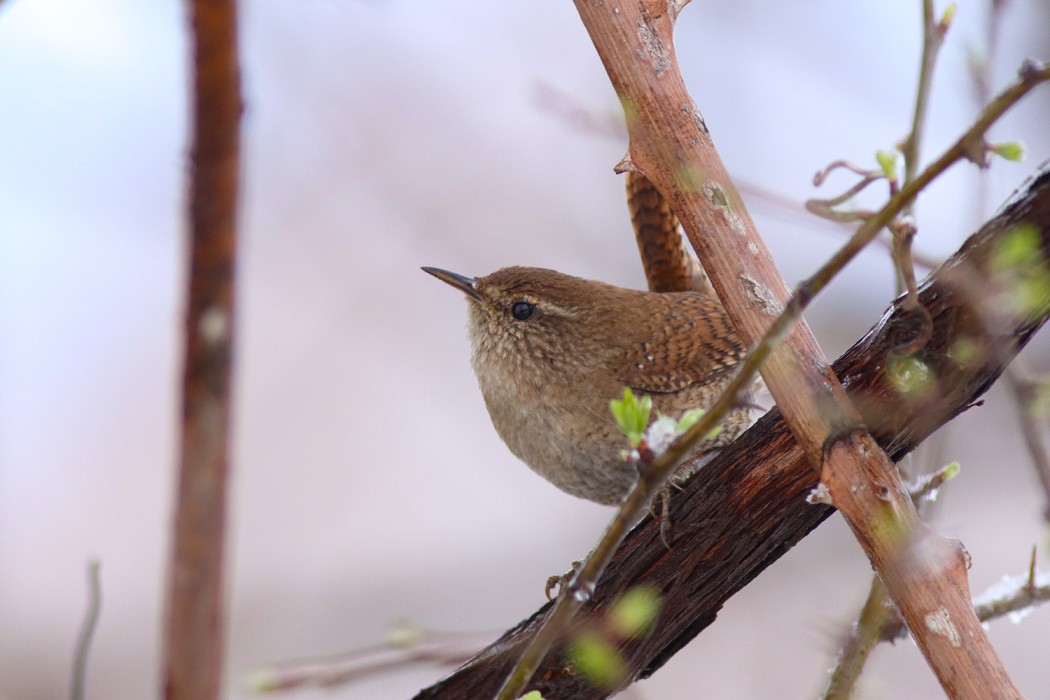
(522, 310)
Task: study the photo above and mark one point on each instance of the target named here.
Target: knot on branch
(909, 330)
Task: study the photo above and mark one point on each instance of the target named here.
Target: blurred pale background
(368, 484)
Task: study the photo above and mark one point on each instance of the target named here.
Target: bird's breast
(561, 427)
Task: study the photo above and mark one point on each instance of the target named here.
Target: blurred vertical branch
(194, 615)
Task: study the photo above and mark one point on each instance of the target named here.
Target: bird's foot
(660, 508)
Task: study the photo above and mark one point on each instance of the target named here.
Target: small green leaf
(1021, 271)
(888, 162)
(597, 659)
(632, 415)
(966, 351)
(633, 613)
(1013, 151)
(948, 16)
(951, 470)
(1017, 248)
(531, 695)
(689, 419)
(910, 376)
(264, 681)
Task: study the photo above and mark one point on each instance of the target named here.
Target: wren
(550, 351)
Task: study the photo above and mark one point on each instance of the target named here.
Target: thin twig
(821, 176)
(1029, 76)
(982, 68)
(925, 488)
(581, 586)
(566, 107)
(863, 637)
(933, 33)
(823, 207)
(87, 632)
(407, 646)
(903, 231)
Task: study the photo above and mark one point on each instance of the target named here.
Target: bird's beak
(467, 285)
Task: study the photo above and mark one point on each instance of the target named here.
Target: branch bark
(748, 507)
(193, 643)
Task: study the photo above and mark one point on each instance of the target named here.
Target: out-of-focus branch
(193, 644)
(87, 633)
(862, 639)
(407, 645)
(1024, 396)
(933, 32)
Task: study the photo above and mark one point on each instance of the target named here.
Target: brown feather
(688, 342)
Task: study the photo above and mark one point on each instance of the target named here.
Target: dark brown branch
(193, 644)
(748, 507)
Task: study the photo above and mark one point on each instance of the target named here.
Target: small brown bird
(550, 351)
